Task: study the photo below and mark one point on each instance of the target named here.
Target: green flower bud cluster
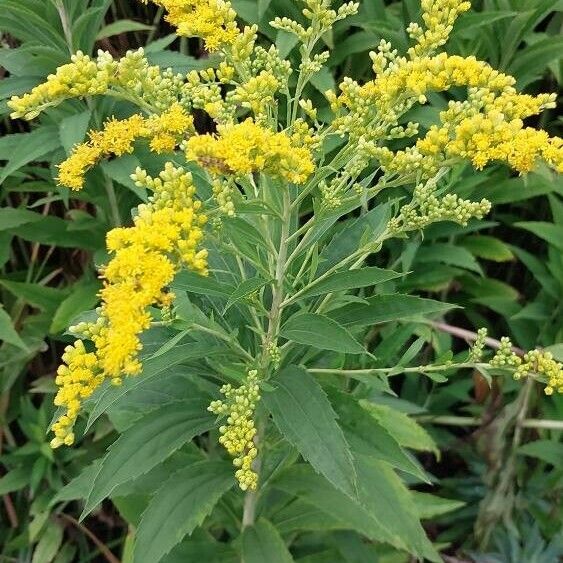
(504, 356)
(157, 89)
(274, 353)
(223, 190)
(271, 61)
(477, 350)
(237, 436)
(426, 208)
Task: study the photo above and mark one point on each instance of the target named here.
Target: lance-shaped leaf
(320, 332)
(179, 506)
(262, 542)
(150, 441)
(304, 415)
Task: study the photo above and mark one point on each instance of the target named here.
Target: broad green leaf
(402, 427)
(367, 436)
(313, 489)
(349, 239)
(179, 506)
(40, 296)
(447, 254)
(49, 543)
(262, 542)
(385, 308)
(14, 480)
(430, 506)
(487, 247)
(244, 290)
(8, 332)
(73, 129)
(551, 233)
(205, 285)
(201, 546)
(11, 217)
(150, 441)
(388, 499)
(351, 279)
(83, 297)
(531, 61)
(304, 415)
(30, 147)
(320, 332)
(110, 395)
(121, 26)
(546, 450)
(384, 511)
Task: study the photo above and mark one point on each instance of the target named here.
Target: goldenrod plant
(239, 305)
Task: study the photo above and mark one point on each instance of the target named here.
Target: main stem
(274, 316)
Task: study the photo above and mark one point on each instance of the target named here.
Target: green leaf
(204, 285)
(320, 332)
(49, 543)
(546, 450)
(14, 480)
(447, 254)
(430, 506)
(11, 217)
(30, 147)
(532, 61)
(385, 308)
(121, 26)
(110, 395)
(367, 436)
(40, 296)
(262, 543)
(351, 279)
(8, 332)
(83, 298)
(402, 427)
(490, 248)
(73, 129)
(551, 233)
(304, 415)
(148, 442)
(243, 290)
(179, 506)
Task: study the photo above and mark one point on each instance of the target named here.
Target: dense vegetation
(453, 440)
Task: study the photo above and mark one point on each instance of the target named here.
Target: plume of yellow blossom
(212, 20)
(165, 131)
(165, 236)
(246, 147)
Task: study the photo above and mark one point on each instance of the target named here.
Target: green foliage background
(496, 486)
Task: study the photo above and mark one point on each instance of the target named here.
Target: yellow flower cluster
(212, 20)
(77, 379)
(81, 77)
(165, 131)
(439, 17)
(237, 437)
(496, 134)
(246, 147)
(166, 234)
(536, 362)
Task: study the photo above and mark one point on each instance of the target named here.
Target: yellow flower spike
(165, 236)
(165, 131)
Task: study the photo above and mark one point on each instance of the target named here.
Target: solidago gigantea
(266, 128)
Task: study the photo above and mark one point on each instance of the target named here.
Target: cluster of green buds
(223, 190)
(237, 436)
(477, 350)
(426, 207)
